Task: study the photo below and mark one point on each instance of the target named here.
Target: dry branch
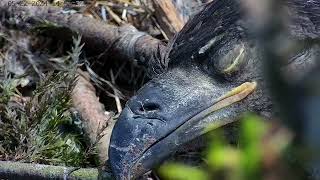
(16, 170)
(168, 17)
(126, 41)
(172, 15)
(97, 122)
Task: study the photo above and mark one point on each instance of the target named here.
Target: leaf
(253, 129)
(182, 172)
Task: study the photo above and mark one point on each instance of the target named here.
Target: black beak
(132, 148)
(157, 121)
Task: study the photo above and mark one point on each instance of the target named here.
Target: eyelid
(230, 69)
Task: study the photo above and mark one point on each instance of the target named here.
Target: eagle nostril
(149, 107)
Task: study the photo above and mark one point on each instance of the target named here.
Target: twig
(99, 81)
(117, 99)
(114, 16)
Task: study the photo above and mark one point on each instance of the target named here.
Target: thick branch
(97, 122)
(123, 41)
(16, 170)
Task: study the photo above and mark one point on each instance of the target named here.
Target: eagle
(211, 73)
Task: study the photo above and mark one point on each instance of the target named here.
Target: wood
(22, 171)
(97, 122)
(172, 15)
(168, 17)
(99, 37)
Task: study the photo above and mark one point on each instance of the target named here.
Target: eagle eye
(231, 62)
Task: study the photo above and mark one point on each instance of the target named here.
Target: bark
(21, 171)
(172, 15)
(168, 17)
(124, 41)
(97, 122)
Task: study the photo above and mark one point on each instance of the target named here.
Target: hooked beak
(139, 142)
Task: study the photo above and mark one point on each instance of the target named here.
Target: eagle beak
(141, 142)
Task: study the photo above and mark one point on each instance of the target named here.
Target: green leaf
(182, 172)
(252, 132)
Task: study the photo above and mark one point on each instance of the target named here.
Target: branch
(168, 17)
(172, 15)
(126, 41)
(97, 123)
(16, 170)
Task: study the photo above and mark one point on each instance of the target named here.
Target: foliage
(182, 172)
(244, 161)
(41, 128)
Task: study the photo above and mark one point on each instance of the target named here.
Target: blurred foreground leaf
(182, 172)
(260, 146)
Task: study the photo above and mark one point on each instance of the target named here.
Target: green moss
(85, 174)
(46, 171)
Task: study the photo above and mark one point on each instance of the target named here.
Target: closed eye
(230, 62)
(237, 58)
